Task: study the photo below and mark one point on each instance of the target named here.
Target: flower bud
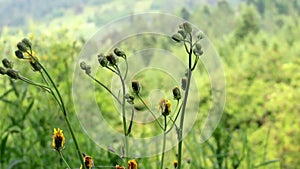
(135, 86)
(175, 163)
(129, 98)
(22, 47)
(2, 70)
(176, 93)
(183, 83)
(27, 42)
(177, 37)
(36, 67)
(12, 73)
(85, 67)
(200, 35)
(7, 64)
(197, 52)
(119, 53)
(112, 60)
(19, 54)
(182, 33)
(102, 60)
(187, 27)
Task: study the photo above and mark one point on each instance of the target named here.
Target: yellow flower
(132, 164)
(88, 161)
(175, 163)
(165, 106)
(119, 167)
(58, 139)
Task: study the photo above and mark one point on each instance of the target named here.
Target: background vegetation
(257, 40)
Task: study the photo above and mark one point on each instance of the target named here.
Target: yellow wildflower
(58, 139)
(175, 163)
(165, 106)
(132, 164)
(88, 161)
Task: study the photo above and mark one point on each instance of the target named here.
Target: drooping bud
(2, 70)
(182, 33)
(85, 67)
(22, 47)
(129, 98)
(183, 83)
(119, 53)
(102, 60)
(187, 27)
(176, 93)
(19, 54)
(7, 64)
(198, 50)
(112, 60)
(12, 73)
(135, 86)
(177, 37)
(27, 42)
(36, 67)
(200, 35)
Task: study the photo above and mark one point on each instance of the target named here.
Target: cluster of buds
(8, 70)
(25, 52)
(111, 59)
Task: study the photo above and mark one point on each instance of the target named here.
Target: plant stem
(62, 157)
(123, 112)
(164, 145)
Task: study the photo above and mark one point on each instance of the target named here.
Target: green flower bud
(187, 27)
(135, 86)
(27, 42)
(112, 60)
(176, 93)
(19, 54)
(2, 70)
(22, 47)
(200, 35)
(177, 37)
(102, 60)
(12, 73)
(198, 46)
(85, 67)
(183, 83)
(182, 33)
(129, 98)
(197, 52)
(119, 53)
(7, 64)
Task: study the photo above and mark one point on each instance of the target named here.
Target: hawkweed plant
(25, 52)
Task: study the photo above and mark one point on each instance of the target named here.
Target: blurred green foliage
(260, 49)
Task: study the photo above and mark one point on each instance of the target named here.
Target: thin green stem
(123, 111)
(106, 88)
(141, 99)
(62, 157)
(24, 79)
(164, 144)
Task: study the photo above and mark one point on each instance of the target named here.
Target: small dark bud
(200, 35)
(197, 52)
(36, 67)
(198, 46)
(165, 107)
(183, 83)
(7, 64)
(119, 53)
(176, 93)
(19, 54)
(83, 65)
(27, 42)
(22, 47)
(129, 98)
(12, 73)
(182, 33)
(177, 37)
(135, 86)
(102, 60)
(187, 27)
(112, 60)
(2, 70)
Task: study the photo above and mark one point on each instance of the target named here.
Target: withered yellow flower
(132, 164)
(58, 139)
(88, 161)
(165, 106)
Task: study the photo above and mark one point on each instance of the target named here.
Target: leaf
(3, 145)
(266, 163)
